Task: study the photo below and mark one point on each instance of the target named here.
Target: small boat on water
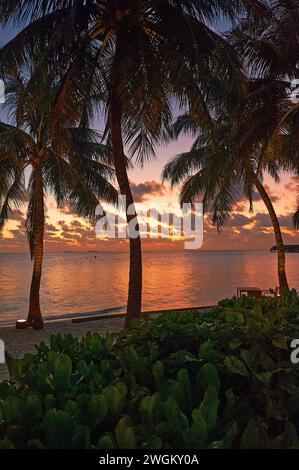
(287, 249)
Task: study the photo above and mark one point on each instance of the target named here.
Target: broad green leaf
(195, 437)
(254, 435)
(228, 439)
(106, 442)
(124, 434)
(209, 406)
(281, 343)
(248, 358)
(174, 416)
(206, 348)
(208, 375)
(115, 399)
(153, 442)
(97, 410)
(234, 344)
(236, 366)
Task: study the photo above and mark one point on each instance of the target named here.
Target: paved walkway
(20, 342)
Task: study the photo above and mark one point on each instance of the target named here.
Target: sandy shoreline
(20, 342)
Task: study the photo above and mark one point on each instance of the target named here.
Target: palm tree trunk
(34, 316)
(283, 282)
(135, 274)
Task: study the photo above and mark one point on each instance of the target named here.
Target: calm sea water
(87, 282)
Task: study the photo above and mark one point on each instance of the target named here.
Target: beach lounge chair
(269, 292)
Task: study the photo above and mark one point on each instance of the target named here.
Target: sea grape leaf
(248, 358)
(264, 378)
(124, 433)
(254, 435)
(11, 409)
(234, 344)
(61, 368)
(206, 348)
(174, 416)
(281, 343)
(58, 427)
(97, 410)
(153, 442)
(236, 366)
(228, 439)
(209, 406)
(32, 408)
(106, 442)
(81, 438)
(208, 375)
(195, 437)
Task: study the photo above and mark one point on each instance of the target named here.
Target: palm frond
(13, 198)
(296, 219)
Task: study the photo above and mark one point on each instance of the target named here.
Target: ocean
(92, 282)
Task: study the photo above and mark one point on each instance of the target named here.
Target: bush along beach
(218, 379)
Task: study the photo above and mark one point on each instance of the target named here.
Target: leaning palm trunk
(135, 274)
(34, 316)
(283, 282)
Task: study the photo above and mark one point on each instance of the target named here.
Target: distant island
(76, 251)
(287, 248)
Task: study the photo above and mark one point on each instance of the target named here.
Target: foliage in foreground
(220, 379)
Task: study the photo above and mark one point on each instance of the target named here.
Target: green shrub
(217, 379)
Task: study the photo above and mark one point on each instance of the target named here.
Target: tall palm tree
(71, 163)
(143, 54)
(271, 50)
(230, 155)
(289, 124)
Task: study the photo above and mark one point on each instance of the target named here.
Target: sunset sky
(66, 231)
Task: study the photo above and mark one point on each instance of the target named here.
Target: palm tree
(143, 54)
(289, 124)
(232, 152)
(271, 48)
(291, 121)
(71, 163)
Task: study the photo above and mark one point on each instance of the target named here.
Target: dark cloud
(143, 190)
(293, 185)
(17, 216)
(73, 232)
(242, 204)
(67, 209)
(238, 220)
(264, 220)
(75, 224)
(51, 228)
(273, 197)
(62, 224)
(256, 197)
